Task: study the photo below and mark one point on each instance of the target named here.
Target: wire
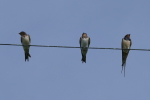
(74, 47)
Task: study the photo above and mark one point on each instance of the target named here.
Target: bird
(125, 45)
(25, 40)
(84, 42)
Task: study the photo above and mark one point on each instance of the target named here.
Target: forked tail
(123, 68)
(27, 55)
(83, 58)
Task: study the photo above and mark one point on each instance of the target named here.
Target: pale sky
(58, 73)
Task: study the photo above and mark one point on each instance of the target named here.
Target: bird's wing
(130, 43)
(80, 41)
(89, 42)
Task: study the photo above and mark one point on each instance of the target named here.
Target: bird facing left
(25, 40)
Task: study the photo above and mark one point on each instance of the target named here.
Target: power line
(74, 47)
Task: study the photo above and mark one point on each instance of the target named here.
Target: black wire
(74, 47)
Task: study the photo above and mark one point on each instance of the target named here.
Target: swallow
(126, 44)
(84, 42)
(25, 40)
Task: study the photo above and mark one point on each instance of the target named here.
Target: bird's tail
(83, 58)
(27, 55)
(123, 67)
(124, 58)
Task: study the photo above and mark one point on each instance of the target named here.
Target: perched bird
(25, 40)
(84, 43)
(126, 44)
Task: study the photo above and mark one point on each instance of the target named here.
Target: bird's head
(84, 35)
(127, 36)
(22, 33)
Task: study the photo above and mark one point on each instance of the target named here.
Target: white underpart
(84, 42)
(25, 41)
(126, 45)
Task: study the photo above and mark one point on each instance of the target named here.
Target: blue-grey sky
(58, 73)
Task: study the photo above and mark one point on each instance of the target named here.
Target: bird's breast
(84, 42)
(25, 40)
(126, 45)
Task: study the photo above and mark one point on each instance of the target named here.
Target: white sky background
(58, 73)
